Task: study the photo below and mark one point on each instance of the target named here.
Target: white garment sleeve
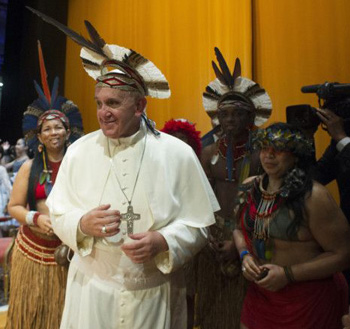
(66, 211)
(184, 242)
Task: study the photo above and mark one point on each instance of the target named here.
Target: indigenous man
(133, 203)
(236, 104)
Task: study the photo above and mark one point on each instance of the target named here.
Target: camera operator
(335, 161)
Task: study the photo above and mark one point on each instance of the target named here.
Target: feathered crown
(188, 129)
(282, 138)
(131, 71)
(233, 86)
(45, 104)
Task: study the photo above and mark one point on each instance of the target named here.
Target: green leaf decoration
(42, 178)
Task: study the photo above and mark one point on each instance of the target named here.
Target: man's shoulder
(87, 139)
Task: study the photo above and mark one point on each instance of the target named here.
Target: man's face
(118, 112)
(234, 121)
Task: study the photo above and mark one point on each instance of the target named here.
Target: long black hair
(297, 183)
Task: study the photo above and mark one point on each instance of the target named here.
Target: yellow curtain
(297, 43)
(283, 44)
(178, 36)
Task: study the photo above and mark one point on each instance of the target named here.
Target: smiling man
(132, 202)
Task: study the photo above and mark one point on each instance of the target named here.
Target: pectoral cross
(129, 217)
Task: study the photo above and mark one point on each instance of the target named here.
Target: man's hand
(145, 247)
(224, 250)
(92, 222)
(346, 321)
(333, 123)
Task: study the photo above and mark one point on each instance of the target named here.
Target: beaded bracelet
(35, 218)
(30, 217)
(243, 253)
(289, 273)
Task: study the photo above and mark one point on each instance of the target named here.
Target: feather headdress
(234, 86)
(115, 66)
(49, 103)
(183, 126)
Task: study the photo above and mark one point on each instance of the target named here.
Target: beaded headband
(284, 139)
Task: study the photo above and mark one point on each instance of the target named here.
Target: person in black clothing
(335, 161)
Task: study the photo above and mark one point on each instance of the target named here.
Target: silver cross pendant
(129, 217)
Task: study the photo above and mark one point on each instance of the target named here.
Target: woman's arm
(17, 206)
(331, 230)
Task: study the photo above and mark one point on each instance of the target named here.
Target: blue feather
(54, 92)
(42, 97)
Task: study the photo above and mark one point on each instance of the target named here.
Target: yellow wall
(177, 35)
(284, 44)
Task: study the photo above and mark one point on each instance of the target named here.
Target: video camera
(305, 115)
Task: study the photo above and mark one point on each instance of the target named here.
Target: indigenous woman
(292, 239)
(38, 283)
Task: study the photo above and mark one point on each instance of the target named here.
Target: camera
(303, 116)
(330, 93)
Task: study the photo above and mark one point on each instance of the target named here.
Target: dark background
(19, 65)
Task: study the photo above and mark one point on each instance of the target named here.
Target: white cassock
(105, 289)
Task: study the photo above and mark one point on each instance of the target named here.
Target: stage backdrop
(282, 45)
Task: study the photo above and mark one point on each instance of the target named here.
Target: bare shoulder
(207, 154)
(209, 150)
(319, 194)
(25, 169)
(322, 207)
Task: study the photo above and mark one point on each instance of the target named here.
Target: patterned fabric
(53, 115)
(37, 249)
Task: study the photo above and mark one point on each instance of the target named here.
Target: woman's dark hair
(35, 171)
(297, 182)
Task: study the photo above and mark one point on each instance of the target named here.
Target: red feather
(43, 74)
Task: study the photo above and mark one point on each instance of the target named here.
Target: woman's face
(276, 163)
(53, 135)
(20, 147)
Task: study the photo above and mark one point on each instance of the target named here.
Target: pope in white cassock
(133, 204)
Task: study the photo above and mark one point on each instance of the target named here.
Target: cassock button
(124, 174)
(124, 203)
(124, 188)
(124, 231)
(125, 160)
(122, 320)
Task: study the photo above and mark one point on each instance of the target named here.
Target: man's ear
(141, 105)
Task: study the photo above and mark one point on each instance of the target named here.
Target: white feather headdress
(235, 85)
(100, 59)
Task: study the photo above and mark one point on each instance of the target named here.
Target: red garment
(317, 304)
(40, 192)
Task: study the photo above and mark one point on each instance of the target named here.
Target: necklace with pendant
(129, 217)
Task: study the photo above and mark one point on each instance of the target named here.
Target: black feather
(94, 36)
(79, 39)
(224, 68)
(218, 74)
(237, 70)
